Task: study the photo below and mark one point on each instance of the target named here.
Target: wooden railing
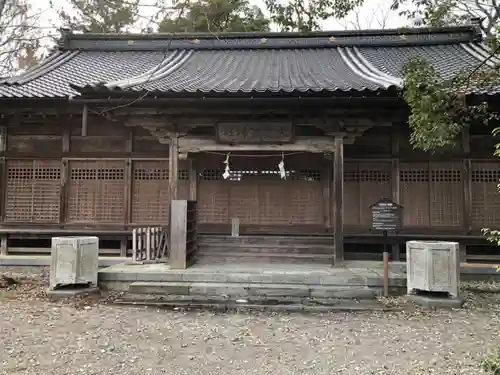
(183, 233)
(150, 244)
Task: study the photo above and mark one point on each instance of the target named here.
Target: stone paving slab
(310, 274)
(240, 290)
(345, 305)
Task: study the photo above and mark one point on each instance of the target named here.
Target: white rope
(227, 171)
(281, 166)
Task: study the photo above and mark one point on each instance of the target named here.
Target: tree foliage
(451, 12)
(307, 15)
(214, 16)
(20, 36)
(439, 107)
(100, 16)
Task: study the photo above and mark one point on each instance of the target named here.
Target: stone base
(58, 294)
(435, 302)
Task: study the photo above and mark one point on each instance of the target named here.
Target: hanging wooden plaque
(254, 133)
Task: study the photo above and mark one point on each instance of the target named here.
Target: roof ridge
(323, 39)
(69, 34)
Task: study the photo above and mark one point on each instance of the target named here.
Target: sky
(374, 14)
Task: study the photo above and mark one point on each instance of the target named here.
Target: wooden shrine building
(107, 130)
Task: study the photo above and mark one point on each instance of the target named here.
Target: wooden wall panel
(446, 194)
(415, 194)
(365, 183)
(150, 190)
(41, 146)
(33, 191)
(96, 192)
(485, 195)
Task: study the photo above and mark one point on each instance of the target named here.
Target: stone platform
(254, 282)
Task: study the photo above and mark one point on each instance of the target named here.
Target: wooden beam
(173, 165)
(201, 144)
(338, 189)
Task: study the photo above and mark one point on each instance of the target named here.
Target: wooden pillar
(66, 146)
(193, 179)
(4, 249)
(338, 193)
(467, 187)
(327, 195)
(395, 179)
(173, 167)
(3, 139)
(3, 171)
(129, 177)
(178, 234)
(85, 117)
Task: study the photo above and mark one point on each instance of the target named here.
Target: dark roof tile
(367, 61)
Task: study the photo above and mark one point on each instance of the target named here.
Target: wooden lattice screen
(256, 194)
(485, 178)
(432, 194)
(96, 192)
(150, 190)
(33, 191)
(364, 184)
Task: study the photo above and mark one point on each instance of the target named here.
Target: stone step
(226, 257)
(266, 248)
(278, 305)
(251, 290)
(267, 240)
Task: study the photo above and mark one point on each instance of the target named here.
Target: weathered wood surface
(183, 233)
(338, 191)
(300, 144)
(254, 132)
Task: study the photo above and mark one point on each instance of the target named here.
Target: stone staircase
(265, 249)
(286, 287)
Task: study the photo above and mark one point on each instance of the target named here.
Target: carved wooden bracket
(348, 127)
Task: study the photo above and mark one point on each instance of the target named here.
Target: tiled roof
(332, 62)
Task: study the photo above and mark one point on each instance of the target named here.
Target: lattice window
(446, 175)
(414, 175)
(351, 176)
(306, 175)
(150, 174)
(485, 196)
(146, 174)
(243, 174)
(211, 175)
(367, 176)
(373, 176)
(446, 195)
(485, 175)
(33, 191)
(97, 174)
(96, 191)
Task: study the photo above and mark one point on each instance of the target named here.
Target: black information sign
(386, 216)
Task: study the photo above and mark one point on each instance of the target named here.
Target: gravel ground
(91, 336)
